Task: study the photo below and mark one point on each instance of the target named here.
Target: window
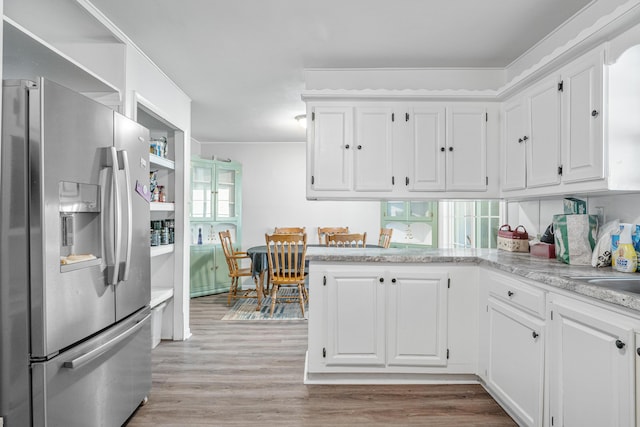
(470, 224)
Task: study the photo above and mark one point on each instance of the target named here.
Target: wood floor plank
(241, 373)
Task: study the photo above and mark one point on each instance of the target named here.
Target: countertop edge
(549, 272)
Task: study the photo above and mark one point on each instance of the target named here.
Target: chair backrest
(227, 248)
(289, 230)
(347, 240)
(286, 254)
(323, 231)
(385, 237)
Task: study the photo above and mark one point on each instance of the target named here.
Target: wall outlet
(599, 210)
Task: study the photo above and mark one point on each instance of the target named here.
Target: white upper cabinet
(543, 133)
(514, 174)
(423, 153)
(331, 148)
(392, 150)
(531, 138)
(582, 130)
(466, 149)
(373, 149)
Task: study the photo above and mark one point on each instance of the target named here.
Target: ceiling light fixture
(302, 120)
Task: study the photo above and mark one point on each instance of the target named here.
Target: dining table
(260, 264)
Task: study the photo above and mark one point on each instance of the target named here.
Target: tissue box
(574, 206)
(543, 250)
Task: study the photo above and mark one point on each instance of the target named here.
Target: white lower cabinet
(378, 317)
(516, 360)
(591, 365)
(512, 345)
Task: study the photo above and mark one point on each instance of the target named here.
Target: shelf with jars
(215, 206)
(414, 223)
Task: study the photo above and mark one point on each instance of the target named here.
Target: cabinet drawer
(517, 293)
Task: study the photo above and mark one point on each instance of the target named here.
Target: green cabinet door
(208, 271)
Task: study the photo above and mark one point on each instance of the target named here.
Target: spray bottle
(627, 259)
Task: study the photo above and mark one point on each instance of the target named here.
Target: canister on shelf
(155, 237)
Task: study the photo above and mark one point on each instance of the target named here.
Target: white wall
(273, 193)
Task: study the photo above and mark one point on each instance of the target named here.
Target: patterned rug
(245, 309)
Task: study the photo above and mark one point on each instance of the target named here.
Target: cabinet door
(582, 119)
(226, 193)
(466, 151)
(543, 144)
(355, 318)
(515, 368)
(201, 190)
(202, 271)
(373, 149)
(514, 147)
(331, 148)
(591, 366)
(427, 145)
(416, 318)
(221, 271)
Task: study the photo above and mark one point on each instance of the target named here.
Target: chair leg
(232, 290)
(259, 292)
(274, 295)
(301, 294)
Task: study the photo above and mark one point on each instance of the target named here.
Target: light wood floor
(248, 373)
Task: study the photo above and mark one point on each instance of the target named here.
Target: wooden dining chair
(323, 231)
(289, 230)
(347, 240)
(385, 237)
(236, 272)
(286, 254)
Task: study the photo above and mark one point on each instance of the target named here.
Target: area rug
(245, 309)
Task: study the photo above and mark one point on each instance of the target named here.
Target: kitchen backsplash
(536, 215)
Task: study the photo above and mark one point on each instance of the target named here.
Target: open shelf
(25, 56)
(160, 295)
(161, 250)
(162, 207)
(162, 162)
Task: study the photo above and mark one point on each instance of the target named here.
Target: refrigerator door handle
(103, 348)
(127, 180)
(118, 217)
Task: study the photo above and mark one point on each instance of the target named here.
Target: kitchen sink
(627, 284)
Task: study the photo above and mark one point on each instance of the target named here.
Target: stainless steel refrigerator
(75, 331)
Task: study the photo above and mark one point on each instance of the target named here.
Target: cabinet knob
(525, 138)
(510, 293)
(594, 113)
(619, 344)
(638, 351)
(535, 335)
(359, 147)
(346, 146)
(519, 140)
(450, 148)
(393, 280)
(441, 148)
(382, 280)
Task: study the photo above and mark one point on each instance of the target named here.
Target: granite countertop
(550, 272)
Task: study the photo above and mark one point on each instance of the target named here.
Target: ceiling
(242, 61)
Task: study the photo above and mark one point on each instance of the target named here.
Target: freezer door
(15, 404)
(98, 383)
(133, 289)
(69, 140)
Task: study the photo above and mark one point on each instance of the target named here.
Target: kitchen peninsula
(529, 329)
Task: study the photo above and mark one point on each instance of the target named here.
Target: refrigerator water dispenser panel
(80, 225)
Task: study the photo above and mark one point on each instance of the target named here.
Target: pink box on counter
(543, 250)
